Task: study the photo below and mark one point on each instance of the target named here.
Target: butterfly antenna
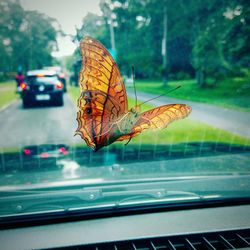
(171, 90)
(133, 77)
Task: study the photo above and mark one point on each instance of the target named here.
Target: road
(21, 127)
(237, 122)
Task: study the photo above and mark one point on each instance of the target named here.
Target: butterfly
(103, 116)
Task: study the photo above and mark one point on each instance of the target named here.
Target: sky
(69, 14)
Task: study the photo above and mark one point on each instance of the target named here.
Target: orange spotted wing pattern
(103, 115)
(103, 96)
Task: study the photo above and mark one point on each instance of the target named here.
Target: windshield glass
(152, 103)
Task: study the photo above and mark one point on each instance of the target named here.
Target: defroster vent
(237, 239)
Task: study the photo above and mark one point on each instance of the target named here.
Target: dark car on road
(42, 86)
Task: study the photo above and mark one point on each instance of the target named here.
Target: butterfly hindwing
(160, 117)
(157, 118)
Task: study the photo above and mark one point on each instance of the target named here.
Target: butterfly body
(127, 122)
(103, 115)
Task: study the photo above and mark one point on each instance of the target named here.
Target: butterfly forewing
(103, 96)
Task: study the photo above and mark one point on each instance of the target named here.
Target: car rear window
(43, 79)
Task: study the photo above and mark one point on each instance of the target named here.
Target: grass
(74, 93)
(185, 130)
(231, 93)
(7, 92)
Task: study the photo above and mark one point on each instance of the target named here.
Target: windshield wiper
(28, 201)
(156, 196)
(122, 195)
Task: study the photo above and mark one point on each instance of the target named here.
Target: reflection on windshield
(54, 163)
(69, 169)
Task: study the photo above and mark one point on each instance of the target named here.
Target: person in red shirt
(19, 78)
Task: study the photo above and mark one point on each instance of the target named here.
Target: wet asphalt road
(37, 125)
(48, 124)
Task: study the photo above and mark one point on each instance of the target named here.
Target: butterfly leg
(128, 141)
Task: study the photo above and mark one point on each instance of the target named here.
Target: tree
(136, 43)
(29, 37)
(219, 33)
(41, 40)
(206, 38)
(93, 25)
(236, 45)
(10, 32)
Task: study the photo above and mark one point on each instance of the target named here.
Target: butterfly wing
(103, 96)
(157, 118)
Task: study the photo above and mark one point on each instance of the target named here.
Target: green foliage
(221, 36)
(230, 92)
(28, 38)
(7, 93)
(68, 60)
(206, 37)
(189, 131)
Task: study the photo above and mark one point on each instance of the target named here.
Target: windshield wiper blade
(23, 201)
(28, 201)
(40, 194)
(157, 196)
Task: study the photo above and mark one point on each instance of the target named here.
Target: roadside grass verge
(7, 92)
(185, 130)
(74, 93)
(231, 93)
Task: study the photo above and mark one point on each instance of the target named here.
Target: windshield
(152, 103)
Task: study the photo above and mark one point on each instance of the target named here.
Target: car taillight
(63, 150)
(27, 151)
(59, 85)
(23, 86)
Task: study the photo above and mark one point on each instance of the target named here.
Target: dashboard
(127, 227)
